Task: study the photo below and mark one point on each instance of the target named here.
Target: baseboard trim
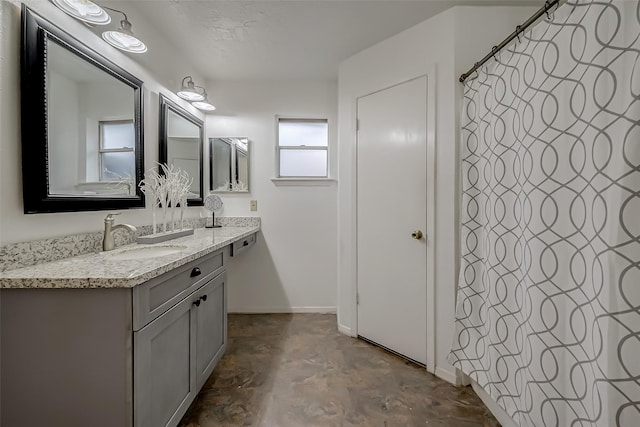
(446, 375)
(344, 330)
(277, 310)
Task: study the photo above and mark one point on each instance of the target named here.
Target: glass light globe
(123, 41)
(84, 10)
(203, 105)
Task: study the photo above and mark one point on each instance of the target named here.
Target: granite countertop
(100, 270)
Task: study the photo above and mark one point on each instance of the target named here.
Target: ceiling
(277, 40)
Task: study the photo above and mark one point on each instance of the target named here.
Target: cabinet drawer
(243, 244)
(156, 296)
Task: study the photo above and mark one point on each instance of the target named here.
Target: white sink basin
(145, 252)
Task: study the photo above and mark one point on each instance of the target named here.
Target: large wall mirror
(181, 135)
(229, 164)
(82, 136)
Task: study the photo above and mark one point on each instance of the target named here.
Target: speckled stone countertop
(100, 270)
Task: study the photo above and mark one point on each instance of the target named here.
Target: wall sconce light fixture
(123, 37)
(197, 95)
(189, 92)
(92, 14)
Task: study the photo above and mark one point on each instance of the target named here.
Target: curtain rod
(519, 29)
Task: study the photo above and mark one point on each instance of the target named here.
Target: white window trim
(102, 150)
(299, 182)
(302, 180)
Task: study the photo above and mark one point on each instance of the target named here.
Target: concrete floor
(297, 370)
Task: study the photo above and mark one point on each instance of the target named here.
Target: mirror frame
(36, 31)
(167, 105)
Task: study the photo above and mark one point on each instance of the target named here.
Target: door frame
(431, 212)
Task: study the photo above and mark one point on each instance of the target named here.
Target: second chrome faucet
(108, 241)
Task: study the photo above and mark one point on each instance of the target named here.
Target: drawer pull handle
(245, 243)
(195, 272)
(203, 297)
(197, 303)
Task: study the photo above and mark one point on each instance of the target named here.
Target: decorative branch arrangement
(123, 182)
(168, 190)
(233, 186)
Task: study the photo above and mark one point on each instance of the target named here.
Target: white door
(391, 205)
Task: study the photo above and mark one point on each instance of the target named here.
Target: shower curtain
(548, 302)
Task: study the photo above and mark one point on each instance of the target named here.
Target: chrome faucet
(108, 242)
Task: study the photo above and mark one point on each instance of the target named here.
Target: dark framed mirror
(82, 130)
(229, 164)
(181, 144)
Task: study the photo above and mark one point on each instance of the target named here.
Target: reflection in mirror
(229, 164)
(81, 125)
(91, 130)
(220, 164)
(181, 136)
(183, 145)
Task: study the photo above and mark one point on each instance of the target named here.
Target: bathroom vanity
(113, 338)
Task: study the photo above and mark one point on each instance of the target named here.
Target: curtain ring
(494, 50)
(476, 66)
(546, 8)
(518, 28)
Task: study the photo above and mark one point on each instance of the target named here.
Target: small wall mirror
(81, 125)
(181, 135)
(229, 164)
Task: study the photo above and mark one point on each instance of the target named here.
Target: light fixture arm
(125, 25)
(116, 10)
(189, 88)
(188, 82)
(123, 38)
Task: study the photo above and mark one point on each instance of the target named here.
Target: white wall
(448, 43)
(64, 126)
(293, 267)
(15, 226)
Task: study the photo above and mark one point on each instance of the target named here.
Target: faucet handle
(110, 216)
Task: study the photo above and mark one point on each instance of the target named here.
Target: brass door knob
(416, 235)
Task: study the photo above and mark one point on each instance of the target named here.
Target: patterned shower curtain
(548, 303)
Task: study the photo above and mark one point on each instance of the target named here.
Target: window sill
(303, 182)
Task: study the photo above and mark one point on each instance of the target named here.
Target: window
(117, 157)
(303, 148)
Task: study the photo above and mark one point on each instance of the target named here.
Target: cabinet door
(164, 381)
(211, 327)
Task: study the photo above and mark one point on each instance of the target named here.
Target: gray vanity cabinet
(176, 353)
(66, 358)
(117, 357)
